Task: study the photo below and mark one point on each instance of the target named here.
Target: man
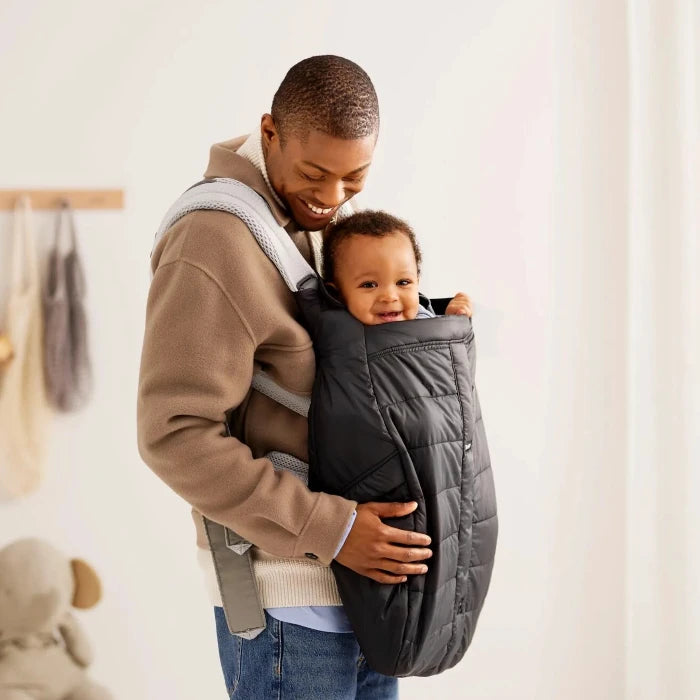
(217, 311)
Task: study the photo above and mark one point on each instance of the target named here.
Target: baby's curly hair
(363, 223)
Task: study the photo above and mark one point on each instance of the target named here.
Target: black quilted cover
(395, 416)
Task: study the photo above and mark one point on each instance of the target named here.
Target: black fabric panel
(439, 305)
(395, 417)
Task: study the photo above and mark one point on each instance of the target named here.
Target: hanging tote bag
(66, 359)
(23, 406)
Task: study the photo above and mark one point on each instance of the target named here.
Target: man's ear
(268, 131)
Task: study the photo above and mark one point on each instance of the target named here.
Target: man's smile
(318, 212)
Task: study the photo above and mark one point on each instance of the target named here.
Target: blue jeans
(290, 662)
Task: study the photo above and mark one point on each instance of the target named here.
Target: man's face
(314, 177)
(377, 277)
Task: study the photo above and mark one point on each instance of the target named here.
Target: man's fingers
(396, 536)
(401, 569)
(376, 550)
(406, 554)
(382, 577)
(393, 510)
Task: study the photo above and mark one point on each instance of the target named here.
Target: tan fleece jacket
(217, 310)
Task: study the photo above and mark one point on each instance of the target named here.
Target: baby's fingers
(459, 308)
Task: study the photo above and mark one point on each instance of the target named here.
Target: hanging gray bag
(66, 359)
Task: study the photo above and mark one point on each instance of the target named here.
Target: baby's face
(378, 277)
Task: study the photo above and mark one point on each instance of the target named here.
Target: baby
(373, 261)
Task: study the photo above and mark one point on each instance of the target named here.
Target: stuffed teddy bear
(43, 650)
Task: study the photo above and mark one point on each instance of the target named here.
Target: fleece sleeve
(197, 362)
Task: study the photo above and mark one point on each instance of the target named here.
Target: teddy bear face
(36, 588)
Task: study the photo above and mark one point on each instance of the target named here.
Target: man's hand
(374, 549)
(461, 305)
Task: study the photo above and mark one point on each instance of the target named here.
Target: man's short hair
(363, 223)
(329, 94)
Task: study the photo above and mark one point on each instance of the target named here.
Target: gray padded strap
(290, 463)
(263, 383)
(226, 194)
(236, 579)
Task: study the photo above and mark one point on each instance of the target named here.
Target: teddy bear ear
(88, 589)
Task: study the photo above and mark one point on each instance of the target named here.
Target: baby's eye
(368, 285)
(404, 283)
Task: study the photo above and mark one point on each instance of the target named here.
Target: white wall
(485, 115)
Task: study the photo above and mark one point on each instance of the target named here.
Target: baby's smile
(388, 316)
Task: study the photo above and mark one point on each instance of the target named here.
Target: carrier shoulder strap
(232, 196)
(231, 552)
(226, 194)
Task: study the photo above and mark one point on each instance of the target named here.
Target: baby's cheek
(410, 310)
(358, 308)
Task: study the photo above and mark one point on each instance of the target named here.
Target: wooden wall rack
(51, 199)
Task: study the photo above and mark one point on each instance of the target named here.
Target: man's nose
(331, 194)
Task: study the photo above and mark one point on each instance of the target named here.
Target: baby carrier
(394, 416)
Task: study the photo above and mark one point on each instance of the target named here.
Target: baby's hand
(461, 305)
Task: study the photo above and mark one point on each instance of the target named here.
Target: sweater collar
(252, 151)
(225, 160)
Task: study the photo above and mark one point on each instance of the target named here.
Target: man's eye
(311, 178)
(368, 285)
